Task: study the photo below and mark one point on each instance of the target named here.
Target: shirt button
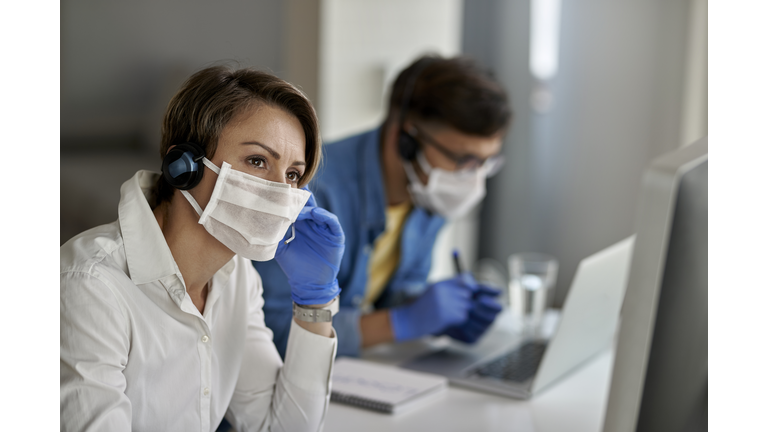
(205, 339)
(206, 391)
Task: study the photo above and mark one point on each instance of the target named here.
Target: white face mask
(451, 194)
(248, 214)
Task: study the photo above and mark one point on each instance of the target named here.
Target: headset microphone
(406, 143)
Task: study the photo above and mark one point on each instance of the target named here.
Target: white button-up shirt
(136, 354)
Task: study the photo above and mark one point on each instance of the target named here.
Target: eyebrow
(272, 152)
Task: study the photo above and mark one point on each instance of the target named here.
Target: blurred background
(599, 88)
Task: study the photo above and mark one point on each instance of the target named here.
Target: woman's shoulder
(93, 268)
(90, 248)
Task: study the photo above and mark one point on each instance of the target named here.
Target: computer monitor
(659, 379)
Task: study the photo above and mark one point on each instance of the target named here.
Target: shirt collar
(146, 251)
(148, 256)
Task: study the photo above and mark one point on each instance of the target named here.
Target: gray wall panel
(573, 173)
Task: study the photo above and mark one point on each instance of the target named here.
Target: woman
(161, 311)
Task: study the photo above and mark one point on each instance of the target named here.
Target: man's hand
(443, 304)
(481, 316)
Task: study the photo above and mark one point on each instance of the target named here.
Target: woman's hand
(311, 260)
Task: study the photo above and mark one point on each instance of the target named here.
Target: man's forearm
(375, 328)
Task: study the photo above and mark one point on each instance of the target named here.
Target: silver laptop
(507, 364)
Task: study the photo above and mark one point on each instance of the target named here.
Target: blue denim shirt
(350, 185)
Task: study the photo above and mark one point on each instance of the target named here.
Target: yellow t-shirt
(386, 252)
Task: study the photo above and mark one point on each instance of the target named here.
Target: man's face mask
(248, 214)
(451, 194)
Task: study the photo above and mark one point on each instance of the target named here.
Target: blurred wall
(363, 47)
(121, 62)
(573, 168)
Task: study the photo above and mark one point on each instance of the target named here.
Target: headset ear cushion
(407, 145)
(190, 177)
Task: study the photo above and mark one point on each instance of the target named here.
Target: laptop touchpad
(457, 358)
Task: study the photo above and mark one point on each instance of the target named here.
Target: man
(392, 189)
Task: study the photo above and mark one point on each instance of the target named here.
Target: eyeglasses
(463, 162)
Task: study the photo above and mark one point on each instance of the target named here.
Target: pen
(466, 278)
(456, 261)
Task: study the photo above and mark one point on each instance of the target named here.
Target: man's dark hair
(455, 92)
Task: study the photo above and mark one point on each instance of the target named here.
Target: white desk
(574, 404)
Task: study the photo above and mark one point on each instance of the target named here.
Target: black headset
(182, 166)
(406, 143)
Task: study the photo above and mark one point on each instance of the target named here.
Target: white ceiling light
(545, 36)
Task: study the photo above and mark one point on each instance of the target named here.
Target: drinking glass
(531, 277)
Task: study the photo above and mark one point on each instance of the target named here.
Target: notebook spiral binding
(362, 402)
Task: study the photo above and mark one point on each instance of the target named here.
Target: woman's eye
(257, 162)
(293, 176)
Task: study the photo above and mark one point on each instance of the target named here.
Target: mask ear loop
(293, 234)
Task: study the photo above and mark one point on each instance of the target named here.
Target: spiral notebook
(383, 388)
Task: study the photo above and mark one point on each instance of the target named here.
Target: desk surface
(576, 403)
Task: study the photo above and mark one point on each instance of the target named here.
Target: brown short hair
(213, 96)
(451, 91)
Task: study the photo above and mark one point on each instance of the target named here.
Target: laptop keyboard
(517, 365)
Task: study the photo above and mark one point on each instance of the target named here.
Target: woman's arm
(94, 347)
(319, 328)
(270, 395)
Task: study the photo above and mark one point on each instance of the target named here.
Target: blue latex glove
(481, 316)
(443, 304)
(311, 260)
